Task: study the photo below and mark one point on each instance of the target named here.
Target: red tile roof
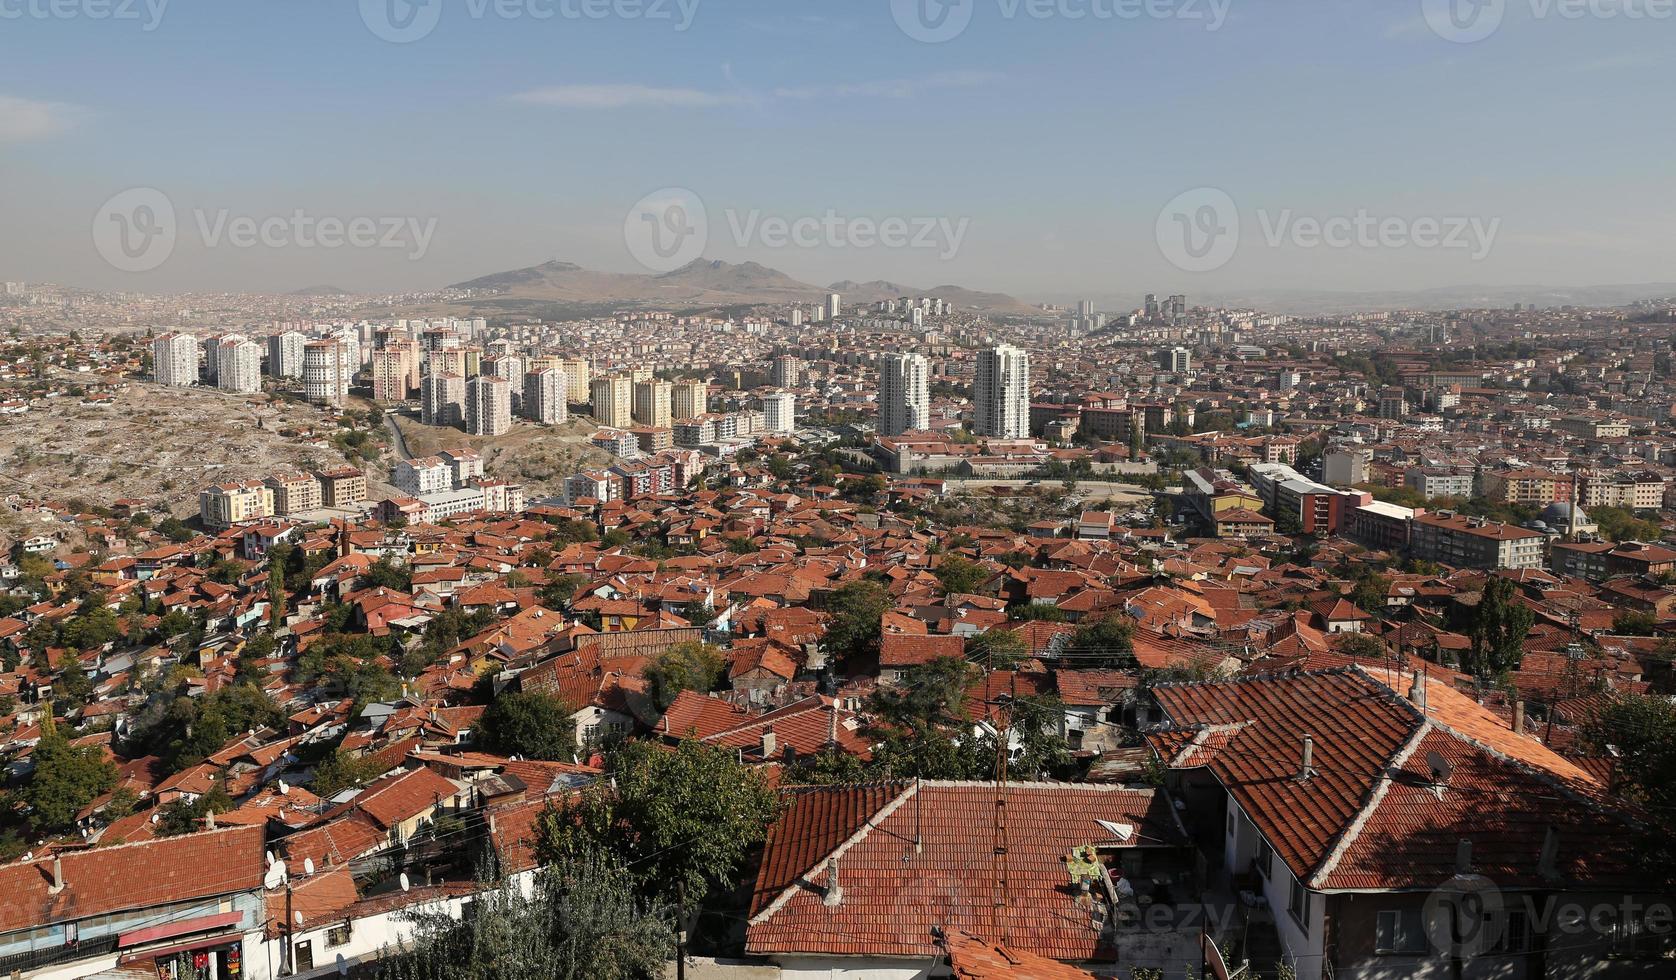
(1372, 814)
(907, 650)
(128, 876)
(894, 895)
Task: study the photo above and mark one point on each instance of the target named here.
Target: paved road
(396, 435)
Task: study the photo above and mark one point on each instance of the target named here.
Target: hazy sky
(1035, 152)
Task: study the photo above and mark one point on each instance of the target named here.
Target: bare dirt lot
(157, 444)
(539, 457)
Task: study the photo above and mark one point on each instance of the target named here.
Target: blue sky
(1057, 140)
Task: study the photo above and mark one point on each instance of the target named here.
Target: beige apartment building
(294, 493)
(229, 504)
(689, 400)
(342, 487)
(652, 403)
(613, 402)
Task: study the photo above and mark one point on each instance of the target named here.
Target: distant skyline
(1039, 155)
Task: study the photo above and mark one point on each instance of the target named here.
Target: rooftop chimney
(834, 890)
(769, 743)
(1417, 690)
(57, 875)
(1463, 857)
(1549, 864)
(1518, 717)
(1305, 770)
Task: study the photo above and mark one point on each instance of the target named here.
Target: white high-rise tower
(904, 394)
(1001, 393)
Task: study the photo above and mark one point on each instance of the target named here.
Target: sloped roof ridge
(878, 817)
(1376, 795)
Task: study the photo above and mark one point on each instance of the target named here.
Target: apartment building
(1001, 393)
(443, 399)
(418, 477)
(295, 493)
(285, 354)
(395, 371)
(689, 400)
(230, 504)
(905, 394)
(488, 406)
(1643, 491)
(328, 367)
(613, 402)
(1473, 542)
(238, 365)
(1590, 428)
(1532, 487)
(464, 464)
(546, 396)
(780, 413)
(342, 487)
(174, 359)
(1438, 482)
(652, 403)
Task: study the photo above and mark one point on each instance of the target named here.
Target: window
(1509, 931)
(1297, 903)
(1265, 856)
(1399, 931)
(304, 958)
(337, 936)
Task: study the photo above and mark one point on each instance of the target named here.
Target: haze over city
(527, 131)
(816, 490)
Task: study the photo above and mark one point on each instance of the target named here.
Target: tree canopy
(530, 724)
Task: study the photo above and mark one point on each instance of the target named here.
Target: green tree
(1633, 623)
(996, 649)
(857, 610)
(584, 922)
(384, 574)
(1499, 627)
(66, 779)
(1641, 732)
(340, 771)
(278, 558)
(1106, 642)
(924, 726)
(558, 592)
(181, 817)
(530, 724)
(959, 575)
(688, 666)
(683, 820)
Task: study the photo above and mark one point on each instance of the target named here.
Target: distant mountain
(878, 290)
(1310, 302)
(705, 282)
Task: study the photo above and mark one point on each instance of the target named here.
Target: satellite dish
(405, 884)
(283, 789)
(1440, 767)
(270, 857)
(297, 917)
(308, 866)
(275, 876)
